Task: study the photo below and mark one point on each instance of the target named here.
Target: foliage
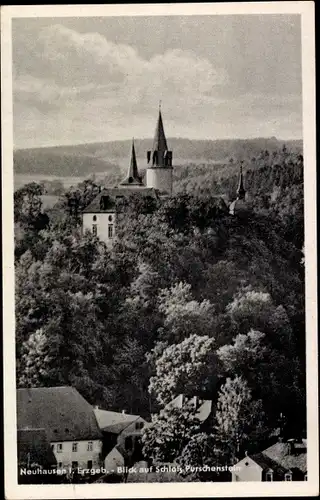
(170, 431)
(188, 368)
(190, 300)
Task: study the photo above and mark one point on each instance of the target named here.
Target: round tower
(159, 170)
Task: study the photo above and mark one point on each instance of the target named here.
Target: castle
(100, 216)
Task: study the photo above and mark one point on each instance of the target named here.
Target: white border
(158, 490)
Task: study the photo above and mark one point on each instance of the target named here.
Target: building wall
(103, 221)
(249, 471)
(113, 460)
(82, 455)
(160, 178)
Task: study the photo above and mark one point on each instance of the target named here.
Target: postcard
(160, 258)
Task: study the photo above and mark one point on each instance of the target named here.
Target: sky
(92, 79)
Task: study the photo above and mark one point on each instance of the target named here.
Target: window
(94, 229)
(74, 465)
(59, 447)
(288, 476)
(89, 464)
(269, 476)
(52, 447)
(110, 231)
(60, 465)
(110, 218)
(139, 425)
(74, 446)
(94, 218)
(90, 446)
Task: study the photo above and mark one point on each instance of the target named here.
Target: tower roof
(159, 141)
(241, 192)
(132, 177)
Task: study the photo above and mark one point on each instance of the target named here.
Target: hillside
(87, 159)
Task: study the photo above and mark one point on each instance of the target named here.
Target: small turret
(239, 206)
(132, 179)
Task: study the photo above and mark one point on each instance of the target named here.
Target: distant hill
(111, 157)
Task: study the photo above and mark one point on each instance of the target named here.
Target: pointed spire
(241, 192)
(160, 141)
(132, 177)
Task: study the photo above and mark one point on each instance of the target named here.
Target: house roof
(61, 411)
(278, 458)
(204, 407)
(112, 195)
(112, 421)
(266, 463)
(34, 447)
(296, 459)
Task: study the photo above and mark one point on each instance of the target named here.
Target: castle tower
(159, 170)
(132, 179)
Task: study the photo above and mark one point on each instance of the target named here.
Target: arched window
(94, 218)
(288, 476)
(110, 218)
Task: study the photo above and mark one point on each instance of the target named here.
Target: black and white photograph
(159, 185)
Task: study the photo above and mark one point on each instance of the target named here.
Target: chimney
(123, 412)
(96, 407)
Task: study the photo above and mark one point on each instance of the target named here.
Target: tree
(35, 361)
(169, 433)
(236, 417)
(184, 316)
(199, 455)
(189, 368)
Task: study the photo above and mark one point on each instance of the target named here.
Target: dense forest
(189, 300)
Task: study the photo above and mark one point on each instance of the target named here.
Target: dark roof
(267, 463)
(61, 411)
(34, 447)
(296, 459)
(278, 458)
(112, 195)
(112, 421)
(132, 177)
(159, 141)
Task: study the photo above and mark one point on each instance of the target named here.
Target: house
(35, 454)
(100, 216)
(68, 421)
(121, 437)
(283, 461)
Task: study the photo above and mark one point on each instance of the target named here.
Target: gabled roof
(34, 447)
(204, 407)
(114, 194)
(132, 177)
(280, 460)
(61, 411)
(112, 421)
